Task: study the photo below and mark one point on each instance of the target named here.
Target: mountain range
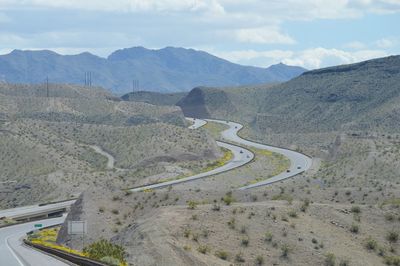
(165, 70)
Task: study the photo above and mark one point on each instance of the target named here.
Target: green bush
(371, 243)
(192, 204)
(268, 236)
(393, 260)
(203, 249)
(259, 260)
(110, 261)
(285, 250)
(239, 257)
(222, 254)
(104, 248)
(392, 236)
(330, 259)
(355, 228)
(356, 209)
(228, 198)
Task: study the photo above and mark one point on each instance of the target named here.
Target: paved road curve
(14, 253)
(298, 161)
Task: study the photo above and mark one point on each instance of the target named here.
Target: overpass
(35, 212)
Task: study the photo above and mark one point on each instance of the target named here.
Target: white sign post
(78, 228)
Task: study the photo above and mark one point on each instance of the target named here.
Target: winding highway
(14, 253)
(298, 161)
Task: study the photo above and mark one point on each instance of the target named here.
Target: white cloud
(385, 43)
(119, 5)
(309, 58)
(356, 45)
(263, 35)
(321, 57)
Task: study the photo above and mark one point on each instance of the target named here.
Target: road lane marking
(12, 251)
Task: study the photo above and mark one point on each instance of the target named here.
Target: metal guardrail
(76, 259)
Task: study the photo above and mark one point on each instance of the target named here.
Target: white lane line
(12, 251)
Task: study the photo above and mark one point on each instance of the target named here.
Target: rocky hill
(56, 143)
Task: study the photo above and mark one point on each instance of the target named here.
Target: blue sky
(309, 33)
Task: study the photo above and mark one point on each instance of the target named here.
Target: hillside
(165, 70)
(361, 96)
(356, 97)
(56, 147)
(155, 98)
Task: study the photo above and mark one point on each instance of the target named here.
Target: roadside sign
(38, 225)
(77, 227)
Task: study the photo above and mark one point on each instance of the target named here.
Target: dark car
(287, 171)
(241, 151)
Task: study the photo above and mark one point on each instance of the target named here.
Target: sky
(307, 33)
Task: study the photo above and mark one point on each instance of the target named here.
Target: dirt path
(110, 158)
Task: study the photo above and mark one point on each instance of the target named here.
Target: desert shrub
(286, 197)
(389, 217)
(245, 241)
(392, 236)
(259, 260)
(305, 205)
(216, 207)
(110, 261)
(115, 198)
(268, 236)
(104, 248)
(330, 259)
(239, 258)
(192, 204)
(344, 262)
(355, 228)
(187, 233)
(371, 243)
(228, 198)
(285, 249)
(253, 198)
(292, 213)
(222, 254)
(195, 237)
(392, 260)
(356, 209)
(232, 223)
(203, 249)
(243, 229)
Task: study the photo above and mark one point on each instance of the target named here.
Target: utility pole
(47, 87)
(88, 79)
(135, 85)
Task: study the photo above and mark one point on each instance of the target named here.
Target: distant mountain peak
(164, 70)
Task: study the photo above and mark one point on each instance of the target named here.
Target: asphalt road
(298, 161)
(14, 253)
(241, 156)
